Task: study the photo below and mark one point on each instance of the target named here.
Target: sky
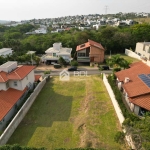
(18, 10)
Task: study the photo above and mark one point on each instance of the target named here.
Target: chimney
(126, 80)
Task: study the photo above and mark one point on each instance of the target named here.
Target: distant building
(38, 31)
(90, 52)
(143, 50)
(6, 51)
(54, 53)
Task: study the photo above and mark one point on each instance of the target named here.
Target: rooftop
(4, 50)
(18, 74)
(8, 99)
(7, 64)
(88, 44)
(137, 90)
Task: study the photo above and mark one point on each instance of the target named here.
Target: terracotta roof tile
(96, 44)
(3, 76)
(19, 73)
(136, 86)
(88, 44)
(83, 46)
(8, 99)
(142, 101)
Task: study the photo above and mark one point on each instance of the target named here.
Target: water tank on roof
(57, 46)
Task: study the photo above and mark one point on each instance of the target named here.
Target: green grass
(130, 59)
(71, 114)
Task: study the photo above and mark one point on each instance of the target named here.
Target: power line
(106, 8)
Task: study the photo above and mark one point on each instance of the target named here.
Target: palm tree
(117, 61)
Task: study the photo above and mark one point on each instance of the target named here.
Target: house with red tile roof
(135, 84)
(15, 82)
(90, 51)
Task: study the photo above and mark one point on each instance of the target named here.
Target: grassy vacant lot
(77, 113)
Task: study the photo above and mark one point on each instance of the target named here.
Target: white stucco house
(15, 82)
(41, 31)
(54, 53)
(143, 50)
(6, 51)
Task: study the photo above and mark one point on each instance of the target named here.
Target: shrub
(116, 69)
(119, 137)
(74, 63)
(47, 72)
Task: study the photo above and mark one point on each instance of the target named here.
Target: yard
(128, 58)
(77, 113)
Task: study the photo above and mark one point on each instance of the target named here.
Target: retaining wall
(117, 109)
(21, 113)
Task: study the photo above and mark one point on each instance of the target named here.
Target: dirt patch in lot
(87, 138)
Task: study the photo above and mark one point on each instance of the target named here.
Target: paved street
(80, 71)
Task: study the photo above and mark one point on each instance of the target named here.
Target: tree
(62, 61)
(117, 62)
(74, 63)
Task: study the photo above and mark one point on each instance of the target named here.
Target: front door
(91, 59)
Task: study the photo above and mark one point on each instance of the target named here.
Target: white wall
(136, 109)
(17, 87)
(3, 86)
(118, 110)
(21, 84)
(132, 54)
(143, 49)
(29, 79)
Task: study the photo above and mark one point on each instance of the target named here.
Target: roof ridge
(17, 74)
(2, 78)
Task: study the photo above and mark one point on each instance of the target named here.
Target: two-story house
(15, 82)
(143, 50)
(135, 84)
(54, 53)
(90, 52)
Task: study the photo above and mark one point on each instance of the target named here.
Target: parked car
(73, 68)
(105, 67)
(57, 66)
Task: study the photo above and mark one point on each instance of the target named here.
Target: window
(27, 77)
(15, 83)
(54, 54)
(7, 85)
(81, 54)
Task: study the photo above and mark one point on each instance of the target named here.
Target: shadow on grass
(48, 107)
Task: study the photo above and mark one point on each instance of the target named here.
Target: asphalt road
(79, 72)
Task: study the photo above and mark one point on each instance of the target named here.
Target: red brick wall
(97, 53)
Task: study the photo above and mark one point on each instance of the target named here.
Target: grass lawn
(128, 58)
(77, 113)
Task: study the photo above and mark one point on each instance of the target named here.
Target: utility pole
(106, 8)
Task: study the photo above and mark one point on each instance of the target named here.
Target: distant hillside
(4, 21)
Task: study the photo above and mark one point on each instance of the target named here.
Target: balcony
(83, 59)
